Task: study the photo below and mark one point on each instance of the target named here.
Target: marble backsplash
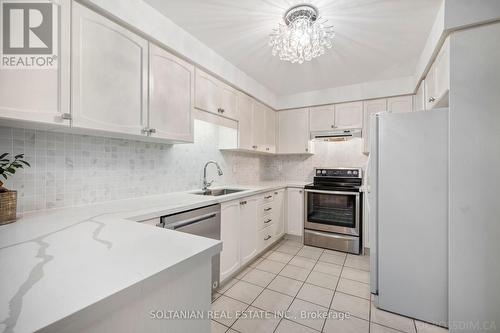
(71, 169)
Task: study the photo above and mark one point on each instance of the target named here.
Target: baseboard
(295, 238)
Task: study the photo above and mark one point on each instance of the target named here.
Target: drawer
(265, 221)
(267, 197)
(266, 209)
(265, 237)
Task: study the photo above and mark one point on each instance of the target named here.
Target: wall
(474, 212)
(327, 154)
(70, 169)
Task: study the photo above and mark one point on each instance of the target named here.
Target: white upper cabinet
(109, 75)
(270, 142)
(259, 126)
(245, 121)
(293, 131)
(349, 115)
(322, 118)
(437, 81)
(40, 95)
(370, 107)
(171, 93)
(419, 98)
(400, 104)
(215, 96)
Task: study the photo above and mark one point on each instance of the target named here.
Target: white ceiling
(375, 39)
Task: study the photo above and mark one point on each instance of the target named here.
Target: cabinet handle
(221, 110)
(432, 99)
(267, 209)
(66, 116)
(268, 237)
(333, 126)
(300, 191)
(267, 149)
(268, 197)
(307, 149)
(152, 130)
(243, 202)
(254, 147)
(268, 221)
(275, 192)
(145, 130)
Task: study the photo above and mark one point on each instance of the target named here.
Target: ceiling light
(302, 36)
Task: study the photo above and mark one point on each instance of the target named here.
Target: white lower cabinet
(248, 229)
(279, 213)
(295, 211)
(230, 237)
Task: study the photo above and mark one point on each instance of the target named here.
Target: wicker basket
(8, 207)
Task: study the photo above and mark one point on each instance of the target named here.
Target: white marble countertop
(57, 262)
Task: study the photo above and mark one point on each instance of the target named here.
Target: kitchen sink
(218, 192)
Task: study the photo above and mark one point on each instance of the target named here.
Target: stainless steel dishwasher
(202, 222)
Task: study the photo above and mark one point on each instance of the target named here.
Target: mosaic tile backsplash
(71, 169)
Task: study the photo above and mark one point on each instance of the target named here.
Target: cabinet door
(248, 230)
(321, 118)
(245, 121)
(371, 107)
(293, 128)
(109, 74)
(270, 130)
(419, 98)
(295, 211)
(442, 76)
(430, 88)
(279, 213)
(230, 237)
(349, 115)
(400, 104)
(171, 93)
(207, 92)
(41, 95)
(259, 126)
(228, 101)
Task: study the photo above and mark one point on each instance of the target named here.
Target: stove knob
(355, 172)
(323, 172)
(349, 172)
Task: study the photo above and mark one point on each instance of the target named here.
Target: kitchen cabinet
(230, 237)
(437, 81)
(245, 121)
(171, 93)
(349, 115)
(213, 95)
(248, 229)
(279, 213)
(109, 88)
(370, 107)
(400, 104)
(41, 95)
(259, 126)
(293, 132)
(322, 118)
(295, 211)
(270, 138)
(419, 98)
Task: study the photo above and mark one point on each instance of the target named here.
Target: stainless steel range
(333, 212)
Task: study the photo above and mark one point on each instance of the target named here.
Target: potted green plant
(8, 198)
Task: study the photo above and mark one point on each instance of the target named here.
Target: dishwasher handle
(184, 223)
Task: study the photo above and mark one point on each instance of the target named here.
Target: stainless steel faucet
(205, 183)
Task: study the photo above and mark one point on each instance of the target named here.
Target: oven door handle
(333, 192)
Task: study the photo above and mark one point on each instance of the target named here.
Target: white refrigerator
(408, 213)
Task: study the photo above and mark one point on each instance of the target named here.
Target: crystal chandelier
(302, 36)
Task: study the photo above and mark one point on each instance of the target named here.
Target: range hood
(336, 135)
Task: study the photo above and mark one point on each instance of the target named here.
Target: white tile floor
(294, 278)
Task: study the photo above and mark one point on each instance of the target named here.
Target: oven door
(333, 211)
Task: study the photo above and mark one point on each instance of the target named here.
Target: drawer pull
(268, 197)
(268, 221)
(268, 237)
(267, 209)
(243, 202)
